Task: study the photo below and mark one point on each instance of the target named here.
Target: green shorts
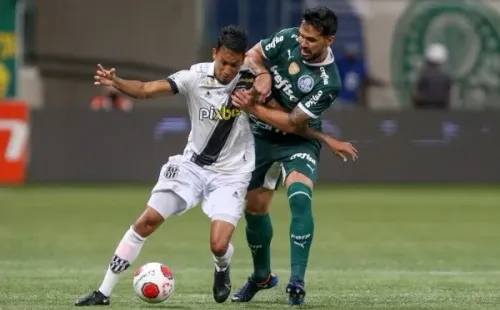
(274, 161)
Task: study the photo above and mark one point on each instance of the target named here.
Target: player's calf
(259, 231)
(299, 190)
(222, 250)
(125, 254)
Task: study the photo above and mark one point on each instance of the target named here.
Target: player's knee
(220, 235)
(148, 222)
(297, 177)
(219, 246)
(258, 201)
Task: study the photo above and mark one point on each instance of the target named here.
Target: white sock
(221, 263)
(127, 251)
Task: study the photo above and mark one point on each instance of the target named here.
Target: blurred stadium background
(412, 224)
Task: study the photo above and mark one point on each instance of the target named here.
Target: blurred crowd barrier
(80, 145)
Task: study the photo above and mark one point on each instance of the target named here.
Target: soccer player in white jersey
(216, 165)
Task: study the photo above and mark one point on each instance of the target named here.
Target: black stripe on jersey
(173, 85)
(220, 134)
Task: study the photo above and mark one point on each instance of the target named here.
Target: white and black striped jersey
(221, 138)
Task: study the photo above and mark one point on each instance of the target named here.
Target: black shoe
(296, 292)
(222, 285)
(251, 287)
(95, 298)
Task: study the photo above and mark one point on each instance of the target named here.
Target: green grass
(392, 247)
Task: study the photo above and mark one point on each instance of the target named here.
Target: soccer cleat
(296, 292)
(251, 287)
(95, 298)
(222, 285)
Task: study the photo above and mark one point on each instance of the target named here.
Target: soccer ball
(153, 282)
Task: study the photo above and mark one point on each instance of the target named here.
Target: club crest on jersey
(224, 113)
(305, 83)
(293, 68)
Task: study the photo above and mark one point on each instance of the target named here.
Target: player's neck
(220, 82)
(321, 58)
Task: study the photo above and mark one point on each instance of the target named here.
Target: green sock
(259, 234)
(301, 229)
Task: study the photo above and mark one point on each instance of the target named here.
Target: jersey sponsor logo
(324, 75)
(273, 43)
(224, 113)
(314, 99)
(283, 84)
(304, 156)
(293, 68)
(209, 82)
(470, 32)
(14, 137)
(305, 83)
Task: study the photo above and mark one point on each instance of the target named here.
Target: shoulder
(287, 36)
(329, 78)
(200, 69)
(289, 32)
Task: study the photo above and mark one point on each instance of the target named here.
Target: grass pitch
(385, 247)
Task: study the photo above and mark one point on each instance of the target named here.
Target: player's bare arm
(296, 122)
(134, 89)
(254, 60)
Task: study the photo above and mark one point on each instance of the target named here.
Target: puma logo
(312, 169)
(301, 244)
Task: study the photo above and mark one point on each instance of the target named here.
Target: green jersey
(311, 86)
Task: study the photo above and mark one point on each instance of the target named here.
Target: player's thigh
(225, 197)
(177, 178)
(267, 173)
(301, 165)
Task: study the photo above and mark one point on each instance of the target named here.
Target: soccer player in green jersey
(297, 67)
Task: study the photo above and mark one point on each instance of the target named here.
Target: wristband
(261, 73)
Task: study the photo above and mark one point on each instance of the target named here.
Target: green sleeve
(318, 100)
(273, 46)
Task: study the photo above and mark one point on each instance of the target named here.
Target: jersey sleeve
(182, 81)
(318, 101)
(279, 42)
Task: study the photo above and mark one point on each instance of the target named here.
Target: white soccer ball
(153, 282)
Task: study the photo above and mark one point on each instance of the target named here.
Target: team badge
(293, 68)
(305, 83)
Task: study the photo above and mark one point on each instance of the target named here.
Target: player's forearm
(134, 89)
(254, 60)
(311, 134)
(276, 118)
(279, 118)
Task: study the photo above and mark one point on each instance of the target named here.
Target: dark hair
(233, 38)
(322, 19)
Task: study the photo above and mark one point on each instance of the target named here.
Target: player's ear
(214, 53)
(330, 40)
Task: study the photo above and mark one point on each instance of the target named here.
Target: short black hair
(322, 19)
(233, 38)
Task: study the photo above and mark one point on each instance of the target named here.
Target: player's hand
(262, 87)
(341, 148)
(243, 99)
(104, 77)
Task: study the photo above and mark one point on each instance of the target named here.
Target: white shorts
(223, 194)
